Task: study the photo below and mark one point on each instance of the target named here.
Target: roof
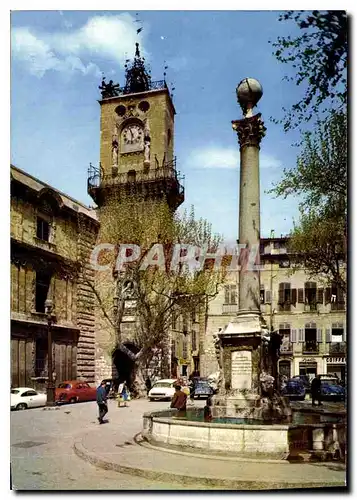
(36, 185)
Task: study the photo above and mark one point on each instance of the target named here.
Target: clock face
(132, 134)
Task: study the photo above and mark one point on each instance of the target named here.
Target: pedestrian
(316, 390)
(207, 410)
(124, 394)
(102, 401)
(148, 384)
(179, 399)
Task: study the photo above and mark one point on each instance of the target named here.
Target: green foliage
(319, 57)
(320, 177)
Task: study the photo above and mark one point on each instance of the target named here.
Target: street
(42, 457)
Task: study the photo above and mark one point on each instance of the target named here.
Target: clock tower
(136, 139)
(136, 159)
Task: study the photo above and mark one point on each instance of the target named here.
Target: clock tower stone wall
(136, 153)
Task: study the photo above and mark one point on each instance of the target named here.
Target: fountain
(248, 414)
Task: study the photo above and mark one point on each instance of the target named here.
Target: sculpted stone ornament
(110, 89)
(115, 150)
(250, 130)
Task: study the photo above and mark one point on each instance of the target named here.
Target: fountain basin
(325, 438)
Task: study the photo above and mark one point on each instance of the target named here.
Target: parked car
(294, 390)
(162, 389)
(201, 389)
(332, 391)
(75, 391)
(305, 381)
(22, 398)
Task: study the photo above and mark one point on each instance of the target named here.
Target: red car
(74, 391)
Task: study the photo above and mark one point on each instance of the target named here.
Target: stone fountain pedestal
(242, 391)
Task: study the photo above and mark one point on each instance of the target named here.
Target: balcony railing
(310, 347)
(229, 308)
(286, 348)
(97, 178)
(337, 348)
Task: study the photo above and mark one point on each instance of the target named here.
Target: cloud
(108, 37)
(226, 158)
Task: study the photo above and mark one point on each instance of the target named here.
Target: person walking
(148, 385)
(102, 401)
(179, 399)
(124, 394)
(316, 390)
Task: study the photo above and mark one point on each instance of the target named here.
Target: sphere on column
(249, 91)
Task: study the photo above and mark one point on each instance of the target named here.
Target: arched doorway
(124, 364)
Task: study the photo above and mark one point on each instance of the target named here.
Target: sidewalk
(112, 446)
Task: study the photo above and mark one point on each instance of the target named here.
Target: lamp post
(50, 382)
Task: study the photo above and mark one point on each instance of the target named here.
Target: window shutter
(319, 335)
(293, 334)
(301, 334)
(281, 295)
(226, 294)
(300, 295)
(233, 294)
(320, 295)
(328, 335)
(268, 297)
(293, 296)
(340, 296)
(327, 295)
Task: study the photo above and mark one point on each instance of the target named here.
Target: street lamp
(50, 382)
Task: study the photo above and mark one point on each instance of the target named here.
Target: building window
(230, 294)
(43, 281)
(184, 349)
(193, 340)
(311, 295)
(337, 299)
(173, 349)
(43, 229)
(284, 296)
(262, 294)
(131, 176)
(284, 331)
(310, 338)
(337, 332)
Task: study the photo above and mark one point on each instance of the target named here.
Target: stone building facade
(309, 314)
(52, 236)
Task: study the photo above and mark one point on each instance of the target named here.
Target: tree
(319, 239)
(319, 56)
(160, 292)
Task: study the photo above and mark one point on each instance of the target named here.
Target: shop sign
(336, 360)
(308, 361)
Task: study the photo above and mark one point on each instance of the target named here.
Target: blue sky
(56, 65)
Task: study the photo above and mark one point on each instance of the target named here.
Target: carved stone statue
(115, 150)
(147, 149)
(110, 89)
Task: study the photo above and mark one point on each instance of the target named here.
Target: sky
(57, 59)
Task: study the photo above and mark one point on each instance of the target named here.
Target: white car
(26, 397)
(162, 389)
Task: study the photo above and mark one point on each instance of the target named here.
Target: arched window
(131, 176)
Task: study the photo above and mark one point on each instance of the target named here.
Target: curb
(188, 479)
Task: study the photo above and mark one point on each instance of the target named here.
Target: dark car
(201, 389)
(304, 379)
(331, 391)
(294, 390)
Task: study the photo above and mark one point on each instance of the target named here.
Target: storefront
(285, 368)
(336, 366)
(308, 367)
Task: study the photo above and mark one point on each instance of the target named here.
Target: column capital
(250, 130)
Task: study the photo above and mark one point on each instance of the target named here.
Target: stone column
(250, 132)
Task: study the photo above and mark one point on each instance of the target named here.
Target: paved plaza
(66, 449)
